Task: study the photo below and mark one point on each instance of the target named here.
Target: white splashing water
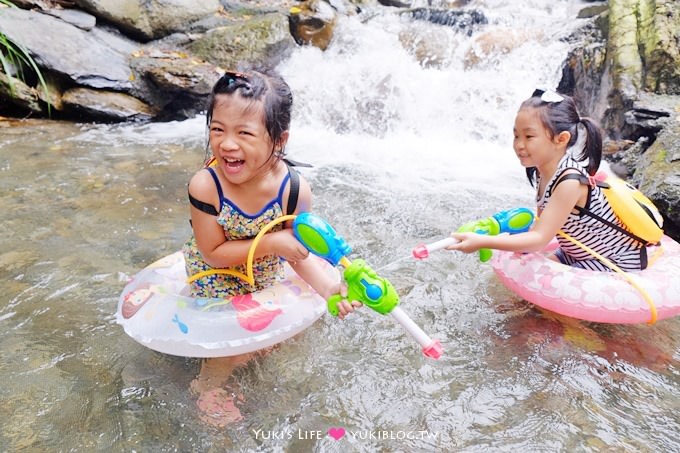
(367, 101)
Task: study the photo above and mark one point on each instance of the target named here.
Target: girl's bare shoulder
(202, 184)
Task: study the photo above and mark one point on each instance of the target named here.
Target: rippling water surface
(402, 154)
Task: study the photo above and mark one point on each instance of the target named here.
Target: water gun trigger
(488, 226)
(332, 304)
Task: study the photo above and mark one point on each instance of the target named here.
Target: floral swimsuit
(238, 225)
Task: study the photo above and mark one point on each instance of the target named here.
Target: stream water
(403, 153)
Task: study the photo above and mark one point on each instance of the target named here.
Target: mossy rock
(658, 174)
(260, 40)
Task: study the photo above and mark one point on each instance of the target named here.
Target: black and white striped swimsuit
(621, 249)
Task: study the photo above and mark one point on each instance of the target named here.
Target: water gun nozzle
(434, 350)
(420, 252)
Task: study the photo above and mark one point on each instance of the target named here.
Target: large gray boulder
(657, 173)
(150, 19)
(88, 58)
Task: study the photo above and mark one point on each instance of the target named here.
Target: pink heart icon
(336, 433)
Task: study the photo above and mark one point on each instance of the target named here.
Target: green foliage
(15, 57)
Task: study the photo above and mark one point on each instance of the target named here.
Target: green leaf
(13, 55)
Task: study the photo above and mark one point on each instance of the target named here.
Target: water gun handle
(487, 226)
(332, 304)
(363, 284)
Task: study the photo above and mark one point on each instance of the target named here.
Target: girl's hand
(468, 242)
(345, 307)
(284, 244)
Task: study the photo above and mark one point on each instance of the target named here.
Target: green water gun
(512, 221)
(363, 283)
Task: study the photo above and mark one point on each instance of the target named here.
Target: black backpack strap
(294, 192)
(582, 179)
(203, 206)
(295, 163)
(610, 224)
(588, 182)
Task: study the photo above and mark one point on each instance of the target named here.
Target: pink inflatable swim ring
(594, 296)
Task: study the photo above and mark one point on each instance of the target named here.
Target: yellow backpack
(642, 219)
(635, 210)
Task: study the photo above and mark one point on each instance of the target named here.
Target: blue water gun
(363, 283)
(512, 221)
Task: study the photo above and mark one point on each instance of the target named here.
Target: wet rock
(657, 173)
(644, 120)
(312, 23)
(106, 105)
(27, 4)
(491, 43)
(19, 94)
(431, 46)
(176, 84)
(75, 17)
(262, 39)
(465, 21)
(623, 155)
(584, 74)
(591, 11)
(395, 3)
(659, 45)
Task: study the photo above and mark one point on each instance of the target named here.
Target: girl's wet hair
(259, 85)
(562, 115)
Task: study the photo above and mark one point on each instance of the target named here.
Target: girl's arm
(220, 253)
(311, 268)
(311, 271)
(562, 201)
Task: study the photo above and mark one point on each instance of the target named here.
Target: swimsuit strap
(217, 183)
(293, 195)
(296, 163)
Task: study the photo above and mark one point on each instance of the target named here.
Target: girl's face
(533, 145)
(239, 140)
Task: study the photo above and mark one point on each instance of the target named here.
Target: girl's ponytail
(592, 149)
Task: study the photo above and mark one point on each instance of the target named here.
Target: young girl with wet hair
(561, 151)
(246, 184)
